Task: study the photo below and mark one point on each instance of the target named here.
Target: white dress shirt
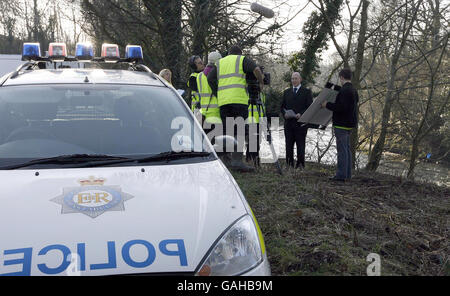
(294, 88)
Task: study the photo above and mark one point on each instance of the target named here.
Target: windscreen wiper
(172, 155)
(164, 156)
(89, 161)
(67, 159)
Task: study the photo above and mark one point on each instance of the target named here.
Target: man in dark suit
(296, 100)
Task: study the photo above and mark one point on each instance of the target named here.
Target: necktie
(295, 90)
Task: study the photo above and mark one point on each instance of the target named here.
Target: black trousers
(233, 111)
(295, 135)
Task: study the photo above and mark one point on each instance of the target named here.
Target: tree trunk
(316, 31)
(171, 36)
(354, 137)
(377, 151)
(200, 27)
(413, 158)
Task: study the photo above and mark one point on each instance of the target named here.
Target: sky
(301, 9)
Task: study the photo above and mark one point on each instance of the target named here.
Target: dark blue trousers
(344, 154)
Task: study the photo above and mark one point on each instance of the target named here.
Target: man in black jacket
(344, 120)
(296, 100)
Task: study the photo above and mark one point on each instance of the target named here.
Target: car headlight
(238, 251)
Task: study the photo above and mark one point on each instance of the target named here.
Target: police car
(106, 172)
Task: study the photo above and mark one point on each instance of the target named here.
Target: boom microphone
(264, 11)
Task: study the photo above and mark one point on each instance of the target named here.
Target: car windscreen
(47, 121)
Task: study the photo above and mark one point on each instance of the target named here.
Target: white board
(315, 113)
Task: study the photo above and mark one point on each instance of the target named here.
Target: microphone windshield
(264, 11)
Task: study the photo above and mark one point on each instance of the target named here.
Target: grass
(313, 226)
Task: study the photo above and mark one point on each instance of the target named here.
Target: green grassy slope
(313, 226)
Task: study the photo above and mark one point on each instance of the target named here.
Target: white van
(90, 183)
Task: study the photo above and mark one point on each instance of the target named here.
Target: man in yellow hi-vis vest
(196, 64)
(228, 81)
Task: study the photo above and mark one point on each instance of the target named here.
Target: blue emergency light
(31, 51)
(84, 51)
(134, 52)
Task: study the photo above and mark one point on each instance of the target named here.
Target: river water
(318, 141)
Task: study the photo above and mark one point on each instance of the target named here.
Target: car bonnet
(126, 220)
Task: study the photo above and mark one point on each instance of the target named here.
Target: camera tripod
(261, 109)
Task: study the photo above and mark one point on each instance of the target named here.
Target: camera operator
(228, 81)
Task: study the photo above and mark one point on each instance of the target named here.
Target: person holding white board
(344, 121)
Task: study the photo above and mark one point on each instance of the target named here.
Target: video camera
(253, 85)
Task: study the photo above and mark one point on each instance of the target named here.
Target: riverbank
(318, 143)
(313, 226)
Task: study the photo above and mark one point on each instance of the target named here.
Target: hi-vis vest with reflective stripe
(257, 114)
(195, 96)
(209, 106)
(232, 84)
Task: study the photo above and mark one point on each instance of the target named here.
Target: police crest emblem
(92, 198)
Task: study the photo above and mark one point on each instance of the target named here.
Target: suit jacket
(299, 103)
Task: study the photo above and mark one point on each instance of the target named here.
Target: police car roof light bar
(84, 53)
